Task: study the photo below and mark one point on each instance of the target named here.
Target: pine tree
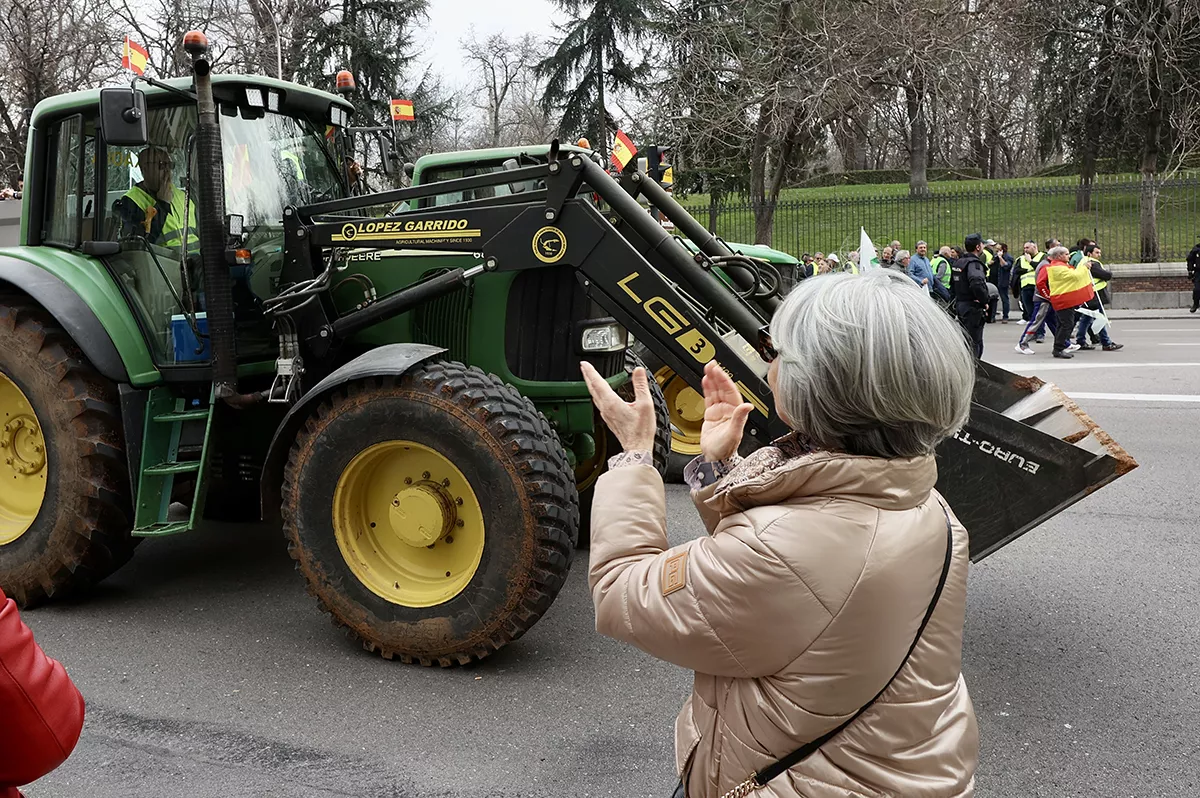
(591, 59)
(375, 42)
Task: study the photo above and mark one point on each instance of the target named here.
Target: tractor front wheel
(64, 484)
(433, 515)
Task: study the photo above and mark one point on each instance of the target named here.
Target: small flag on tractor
(134, 57)
(623, 150)
(402, 111)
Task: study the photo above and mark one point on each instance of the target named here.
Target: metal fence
(1110, 214)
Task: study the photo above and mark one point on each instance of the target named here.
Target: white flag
(867, 259)
(1099, 320)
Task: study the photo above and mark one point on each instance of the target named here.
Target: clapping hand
(725, 415)
(631, 422)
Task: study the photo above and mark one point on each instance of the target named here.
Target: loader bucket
(1027, 453)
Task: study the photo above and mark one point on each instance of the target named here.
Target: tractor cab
(131, 200)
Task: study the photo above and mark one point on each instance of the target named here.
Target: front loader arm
(1026, 453)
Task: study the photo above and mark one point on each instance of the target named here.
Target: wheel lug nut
(408, 480)
(446, 482)
(459, 523)
(449, 538)
(425, 475)
(458, 501)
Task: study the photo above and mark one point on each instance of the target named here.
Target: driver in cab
(155, 207)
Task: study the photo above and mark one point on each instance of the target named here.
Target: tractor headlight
(273, 101)
(254, 97)
(606, 336)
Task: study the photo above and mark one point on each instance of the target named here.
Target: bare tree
(48, 47)
(498, 65)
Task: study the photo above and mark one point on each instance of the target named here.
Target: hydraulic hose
(708, 243)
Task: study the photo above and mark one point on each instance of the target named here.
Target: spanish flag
(623, 150)
(134, 57)
(402, 111)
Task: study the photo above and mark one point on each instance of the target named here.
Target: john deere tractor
(200, 320)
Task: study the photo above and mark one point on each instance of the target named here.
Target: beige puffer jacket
(794, 612)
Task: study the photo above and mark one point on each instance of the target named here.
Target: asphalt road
(209, 672)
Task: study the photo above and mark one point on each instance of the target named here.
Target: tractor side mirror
(123, 117)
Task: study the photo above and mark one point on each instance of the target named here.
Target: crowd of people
(1053, 288)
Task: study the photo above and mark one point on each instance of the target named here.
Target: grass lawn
(1012, 211)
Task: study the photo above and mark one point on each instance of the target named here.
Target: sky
(451, 20)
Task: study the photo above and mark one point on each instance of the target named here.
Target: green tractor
(200, 320)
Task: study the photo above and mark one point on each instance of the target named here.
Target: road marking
(1187, 344)
(1164, 329)
(1025, 366)
(1138, 397)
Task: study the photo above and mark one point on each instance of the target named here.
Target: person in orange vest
(1068, 287)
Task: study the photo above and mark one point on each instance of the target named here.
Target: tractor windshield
(271, 162)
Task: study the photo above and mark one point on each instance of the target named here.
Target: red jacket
(41, 711)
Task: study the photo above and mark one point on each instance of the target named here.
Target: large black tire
(662, 443)
(510, 456)
(81, 533)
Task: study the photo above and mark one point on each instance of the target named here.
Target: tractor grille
(445, 321)
(544, 306)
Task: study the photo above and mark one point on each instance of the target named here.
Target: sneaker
(1193, 310)
(1084, 347)
(1024, 349)
(1004, 321)
(1113, 346)
(1041, 339)
(1066, 354)
(1074, 348)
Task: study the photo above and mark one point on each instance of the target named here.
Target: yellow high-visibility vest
(1028, 268)
(1087, 261)
(172, 229)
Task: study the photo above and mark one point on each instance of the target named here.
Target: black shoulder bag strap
(760, 778)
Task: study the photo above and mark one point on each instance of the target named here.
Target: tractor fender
(390, 360)
(69, 310)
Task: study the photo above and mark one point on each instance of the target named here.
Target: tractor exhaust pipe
(210, 218)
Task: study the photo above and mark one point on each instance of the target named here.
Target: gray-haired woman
(832, 570)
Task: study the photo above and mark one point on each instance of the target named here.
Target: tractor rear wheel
(64, 484)
(607, 445)
(433, 515)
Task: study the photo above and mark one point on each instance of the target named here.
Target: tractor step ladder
(175, 443)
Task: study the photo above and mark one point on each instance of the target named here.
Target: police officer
(172, 211)
(968, 282)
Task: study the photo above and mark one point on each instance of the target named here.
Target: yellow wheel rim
(408, 524)
(686, 408)
(22, 463)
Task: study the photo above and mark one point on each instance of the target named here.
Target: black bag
(760, 778)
